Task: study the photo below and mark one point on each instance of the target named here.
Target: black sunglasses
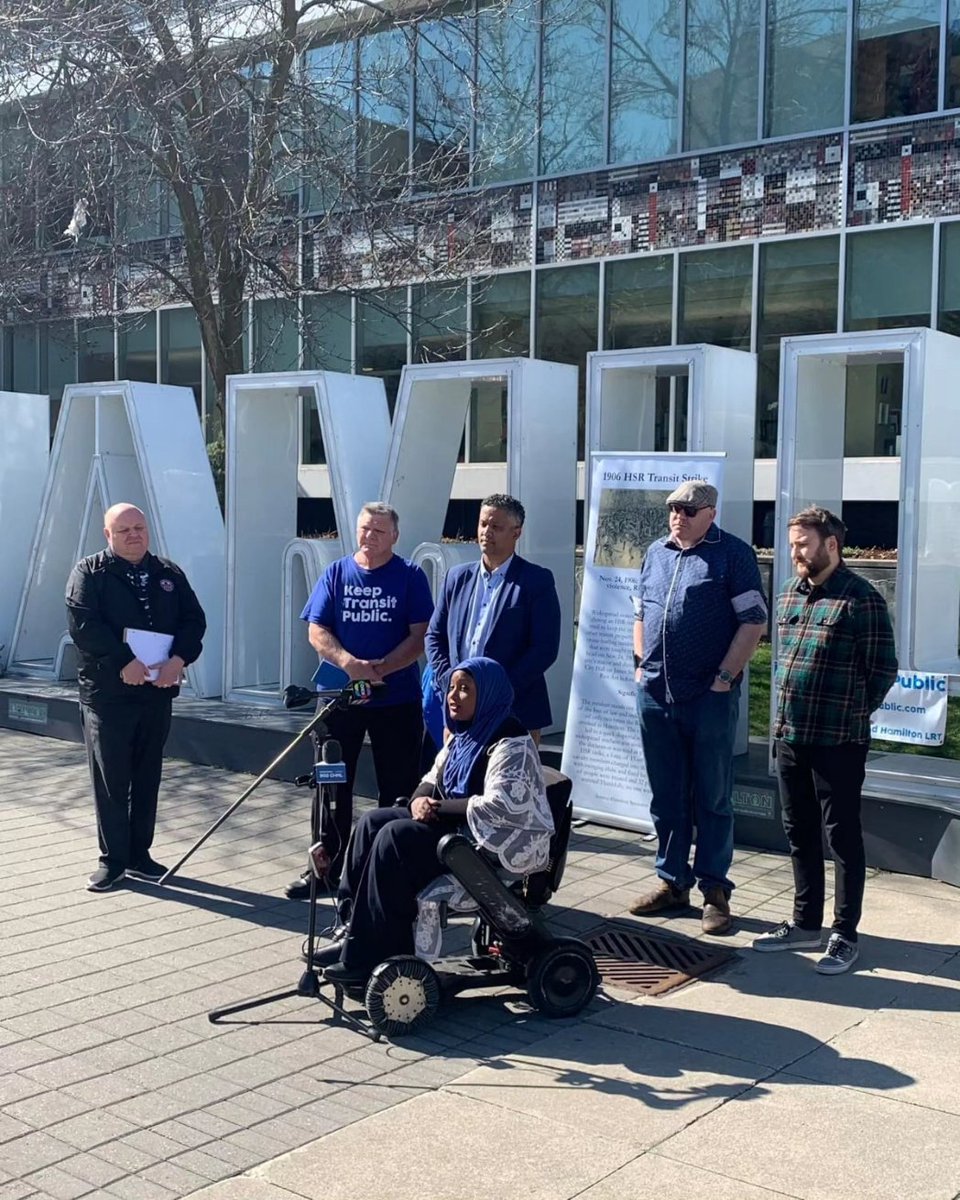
(688, 510)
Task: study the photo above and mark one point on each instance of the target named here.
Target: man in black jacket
(121, 595)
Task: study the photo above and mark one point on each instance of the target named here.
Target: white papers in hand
(150, 647)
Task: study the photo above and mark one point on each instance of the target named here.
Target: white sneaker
(788, 937)
(840, 956)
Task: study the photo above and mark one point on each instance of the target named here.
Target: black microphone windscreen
(332, 752)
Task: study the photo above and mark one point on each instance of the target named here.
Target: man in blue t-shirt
(368, 615)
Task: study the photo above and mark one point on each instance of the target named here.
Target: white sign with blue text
(914, 711)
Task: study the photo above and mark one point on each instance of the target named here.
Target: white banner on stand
(601, 747)
(914, 710)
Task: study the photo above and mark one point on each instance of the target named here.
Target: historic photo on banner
(601, 749)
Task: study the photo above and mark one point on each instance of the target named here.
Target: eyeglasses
(688, 510)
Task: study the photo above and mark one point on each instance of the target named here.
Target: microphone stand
(342, 699)
(308, 984)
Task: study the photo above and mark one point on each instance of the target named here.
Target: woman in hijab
(488, 776)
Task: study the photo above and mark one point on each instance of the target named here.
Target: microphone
(298, 697)
(332, 751)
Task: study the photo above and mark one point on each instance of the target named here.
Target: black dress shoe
(344, 976)
(328, 952)
(299, 888)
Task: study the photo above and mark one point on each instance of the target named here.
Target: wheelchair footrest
(504, 910)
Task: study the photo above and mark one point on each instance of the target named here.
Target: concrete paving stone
(174, 1178)
(100, 1060)
(90, 1167)
(9, 1036)
(557, 1163)
(243, 1188)
(198, 1162)
(886, 916)
(25, 1056)
(91, 1129)
(261, 1106)
(652, 1177)
(240, 1158)
(91, 1092)
(74, 1038)
(11, 1126)
(206, 1123)
(254, 1140)
(598, 1079)
(149, 1108)
(913, 885)
(128, 1158)
(896, 1054)
(33, 1152)
(184, 1135)
(153, 1075)
(31, 1024)
(16, 1189)
(281, 1092)
(827, 1144)
(167, 1040)
(44, 1109)
(17, 1087)
(252, 1072)
(51, 1181)
(135, 1187)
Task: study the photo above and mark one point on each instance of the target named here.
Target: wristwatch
(724, 676)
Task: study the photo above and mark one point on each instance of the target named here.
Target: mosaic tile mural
(447, 239)
(910, 172)
(793, 187)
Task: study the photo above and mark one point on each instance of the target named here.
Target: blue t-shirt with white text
(370, 613)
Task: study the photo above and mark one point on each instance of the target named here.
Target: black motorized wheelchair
(510, 943)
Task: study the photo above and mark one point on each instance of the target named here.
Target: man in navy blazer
(503, 607)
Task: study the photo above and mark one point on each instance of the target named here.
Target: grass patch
(760, 714)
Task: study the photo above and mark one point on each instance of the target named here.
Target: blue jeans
(688, 748)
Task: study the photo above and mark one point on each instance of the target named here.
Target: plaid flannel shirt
(836, 659)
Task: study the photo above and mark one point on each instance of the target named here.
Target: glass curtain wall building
(634, 172)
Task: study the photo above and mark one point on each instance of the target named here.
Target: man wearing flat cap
(700, 613)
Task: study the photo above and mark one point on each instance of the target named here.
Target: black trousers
(125, 752)
(396, 732)
(820, 787)
(391, 857)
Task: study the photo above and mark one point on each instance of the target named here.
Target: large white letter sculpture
(24, 450)
(432, 407)
(140, 442)
(263, 455)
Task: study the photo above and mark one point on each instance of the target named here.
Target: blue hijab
(470, 740)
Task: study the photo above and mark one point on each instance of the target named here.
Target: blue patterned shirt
(691, 603)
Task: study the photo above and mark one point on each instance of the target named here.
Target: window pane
(23, 348)
(896, 58)
(952, 99)
(330, 121)
(574, 75)
(501, 316)
(806, 65)
(799, 284)
(507, 92)
(276, 330)
(723, 38)
(180, 349)
(567, 304)
(644, 79)
(949, 320)
(58, 358)
(326, 347)
(639, 302)
(382, 337)
(444, 71)
(488, 421)
(94, 351)
(137, 341)
(439, 322)
(889, 274)
(715, 294)
(385, 109)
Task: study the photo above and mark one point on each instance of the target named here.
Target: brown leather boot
(663, 895)
(716, 912)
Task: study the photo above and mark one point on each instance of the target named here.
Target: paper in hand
(150, 647)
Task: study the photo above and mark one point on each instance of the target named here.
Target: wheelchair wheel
(562, 978)
(402, 995)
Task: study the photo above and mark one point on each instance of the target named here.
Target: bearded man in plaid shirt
(836, 660)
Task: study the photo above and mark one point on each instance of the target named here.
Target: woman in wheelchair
(487, 776)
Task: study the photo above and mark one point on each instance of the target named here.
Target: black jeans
(823, 784)
(396, 733)
(125, 752)
(391, 858)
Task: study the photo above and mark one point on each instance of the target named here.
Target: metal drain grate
(650, 963)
